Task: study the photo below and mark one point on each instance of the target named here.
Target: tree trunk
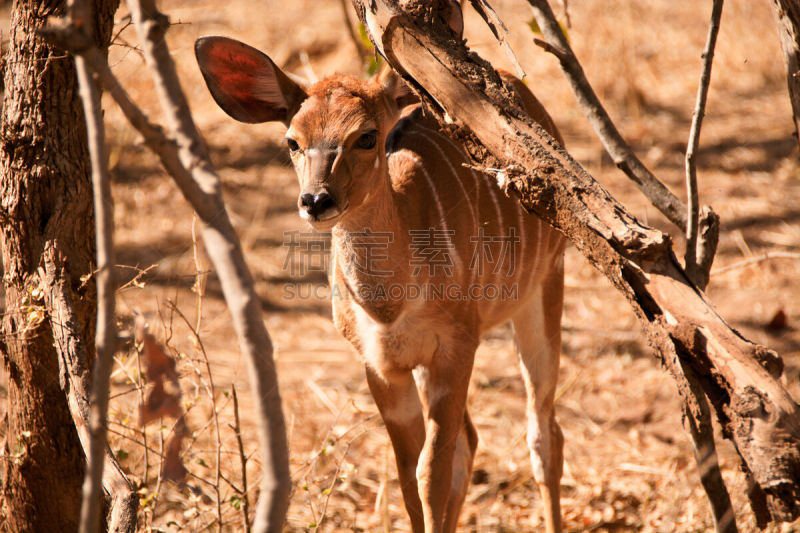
(45, 208)
(788, 12)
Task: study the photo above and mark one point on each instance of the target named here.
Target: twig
(237, 428)
(567, 20)
(692, 257)
(210, 389)
(758, 259)
(201, 186)
(140, 387)
(500, 32)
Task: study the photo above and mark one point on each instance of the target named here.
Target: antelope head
(336, 129)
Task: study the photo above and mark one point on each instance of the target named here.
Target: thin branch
(498, 28)
(222, 244)
(758, 259)
(106, 332)
(619, 150)
(237, 428)
(693, 240)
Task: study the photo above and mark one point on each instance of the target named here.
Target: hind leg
(537, 331)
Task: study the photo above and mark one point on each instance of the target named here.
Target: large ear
(395, 88)
(245, 83)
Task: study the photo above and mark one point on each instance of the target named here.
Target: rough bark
(45, 205)
(788, 12)
(474, 106)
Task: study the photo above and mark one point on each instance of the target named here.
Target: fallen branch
(698, 257)
(738, 376)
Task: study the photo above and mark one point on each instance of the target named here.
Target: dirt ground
(628, 463)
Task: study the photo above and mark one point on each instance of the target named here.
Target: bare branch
(619, 150)
(490, 17)
(184, 156)
(203, 190)
(759, 259)
(692, 231)
(106, 332)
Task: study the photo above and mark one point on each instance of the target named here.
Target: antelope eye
(367, 141)
(292, 144)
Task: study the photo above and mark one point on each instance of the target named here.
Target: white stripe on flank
(455, 174)
(417, 161)
(519, 261)
(538, 255)
(500, 223)
(522, 234)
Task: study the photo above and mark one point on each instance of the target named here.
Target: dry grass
(628, 462)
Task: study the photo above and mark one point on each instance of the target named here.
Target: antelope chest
(402, 344)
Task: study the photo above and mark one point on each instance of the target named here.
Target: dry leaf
(158, 363)
(160, 402)
(173, 466)
(778, 321)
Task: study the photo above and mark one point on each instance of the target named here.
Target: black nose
(316, 204)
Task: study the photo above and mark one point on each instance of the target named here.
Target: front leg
(445, 389)
(396, 397)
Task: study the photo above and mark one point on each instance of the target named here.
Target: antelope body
(371, 172)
